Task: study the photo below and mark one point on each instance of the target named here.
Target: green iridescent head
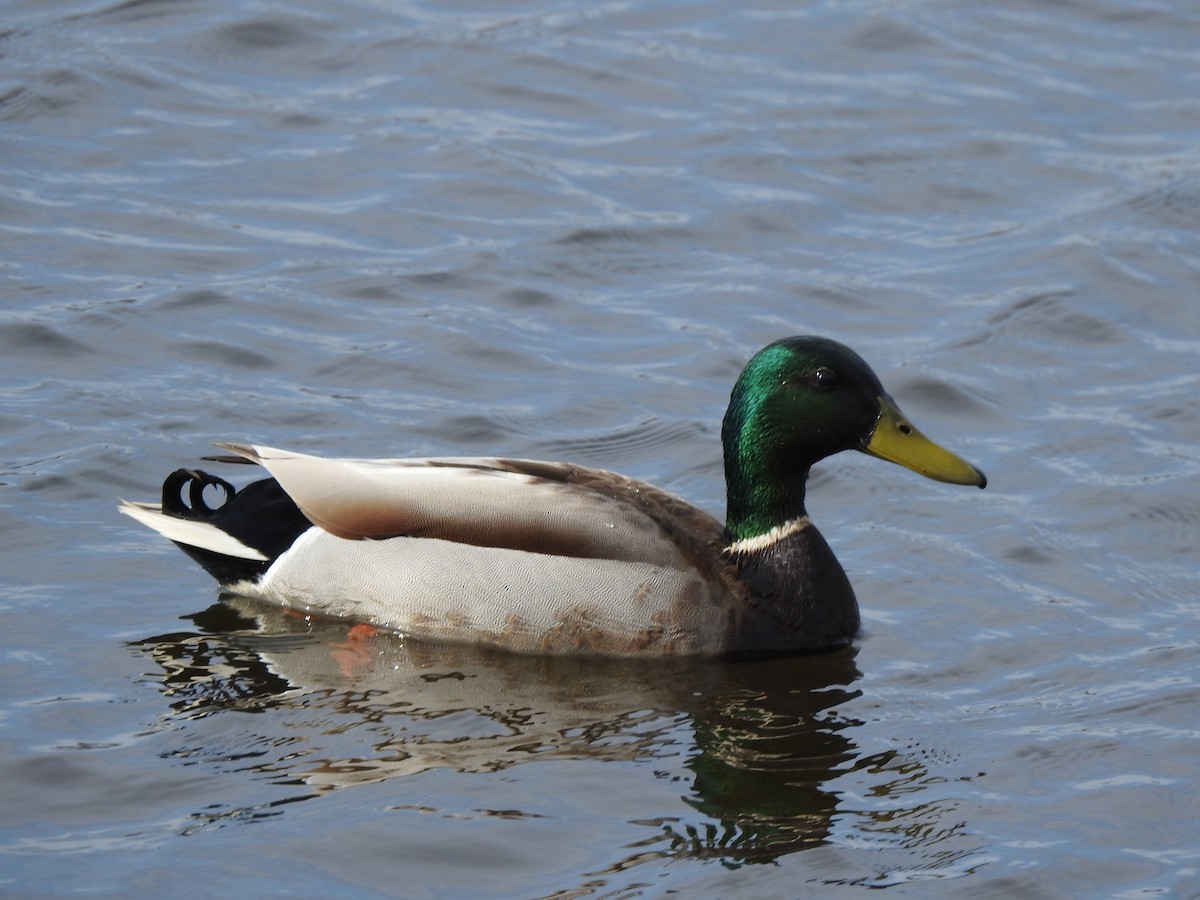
(798, 401)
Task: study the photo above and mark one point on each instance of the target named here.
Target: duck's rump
(521, 554)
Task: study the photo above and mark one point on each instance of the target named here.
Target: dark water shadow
(345, 706)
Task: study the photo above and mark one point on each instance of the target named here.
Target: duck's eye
(823, 379)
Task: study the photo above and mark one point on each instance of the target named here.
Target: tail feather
(237, 539)
(191, 532)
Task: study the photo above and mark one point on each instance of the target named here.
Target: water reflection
(757, 740)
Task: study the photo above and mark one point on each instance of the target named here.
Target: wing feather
(547, 508)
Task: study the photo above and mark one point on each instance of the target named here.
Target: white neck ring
(768, 538)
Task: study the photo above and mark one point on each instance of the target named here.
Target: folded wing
(550, 508)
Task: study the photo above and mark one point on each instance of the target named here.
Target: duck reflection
(759, 739)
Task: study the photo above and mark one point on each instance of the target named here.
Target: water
(558, 231)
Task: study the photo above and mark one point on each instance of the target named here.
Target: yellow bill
(898, 440)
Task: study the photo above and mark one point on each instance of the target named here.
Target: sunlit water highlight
(559, 231)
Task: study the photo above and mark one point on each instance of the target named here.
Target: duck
(556, 558)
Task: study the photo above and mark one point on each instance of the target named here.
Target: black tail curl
(259, 515)
(196, 506)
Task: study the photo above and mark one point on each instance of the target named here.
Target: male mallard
(551, 557)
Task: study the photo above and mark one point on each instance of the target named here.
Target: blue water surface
(558, 230)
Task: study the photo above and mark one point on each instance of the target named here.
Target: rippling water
(558, 231)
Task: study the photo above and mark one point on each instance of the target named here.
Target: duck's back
(525, 555)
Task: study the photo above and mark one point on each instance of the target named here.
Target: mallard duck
(550, 557)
